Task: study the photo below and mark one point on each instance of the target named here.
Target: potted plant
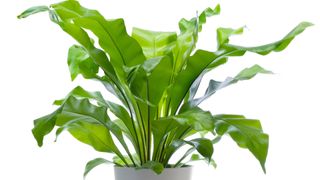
(155, 76)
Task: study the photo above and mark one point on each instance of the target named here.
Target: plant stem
(143, 135)
(163, 149)
(139, 121)
(138, 150)
(149, 126)
(184, 156)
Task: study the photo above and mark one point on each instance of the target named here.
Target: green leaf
(90, 124)
(214, 86)
(122, 49)
(154, 166)
(203, 60)
(118, 132)
(195, 24)
(247, 133)
(94, 163)
(150, 82)
(86, 122)
(179, 163)
(33, 10)
(113, 38)
(188, 37)
(80, 62)
(232, 50)
(203, 146)
(223, 34)
(95, 135)
(179, 125)
(129, 123)
(154, 43)
(123, 128)
(110, 81)
(196, 157)
(79, 92)
(194, 88)
(83, 108)
(113, 127)
(82, 37)
(208, 12)
(122, 114)
(276, 46)
(195, 85)
(249, 73)
(112, 88)
(160, 130)
(98, 56)
(196, 64)
(197, 118)
(119, 162)
(44, 126)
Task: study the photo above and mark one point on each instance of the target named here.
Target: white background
(34, 72)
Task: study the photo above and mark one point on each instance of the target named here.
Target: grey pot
(122, 173)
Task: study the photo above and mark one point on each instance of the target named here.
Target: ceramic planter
(122, 173)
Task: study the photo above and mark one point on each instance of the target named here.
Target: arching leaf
(188, 37)
(214, 86)
(86, 123)
(33, 10)
(79, 92)
(275, 46)
(94, 163)
(44, 125)
(113, 38)
(247, 133)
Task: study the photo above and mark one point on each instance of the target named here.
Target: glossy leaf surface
(155, 44)
(80, 62)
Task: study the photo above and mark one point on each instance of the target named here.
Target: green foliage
(94, 163)
(80, 62)
(247, 133)
(156, 76)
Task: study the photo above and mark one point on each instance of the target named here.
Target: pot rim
(183, 167)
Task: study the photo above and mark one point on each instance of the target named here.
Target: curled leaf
(33, 10)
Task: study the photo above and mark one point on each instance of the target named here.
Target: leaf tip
(19, 16)
(39, 139)
(218, 8)
(306, 24)
(73, 77)
(32, 10)
(40, 144)
(264, 169)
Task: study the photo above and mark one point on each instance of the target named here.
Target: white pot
(122, 173)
